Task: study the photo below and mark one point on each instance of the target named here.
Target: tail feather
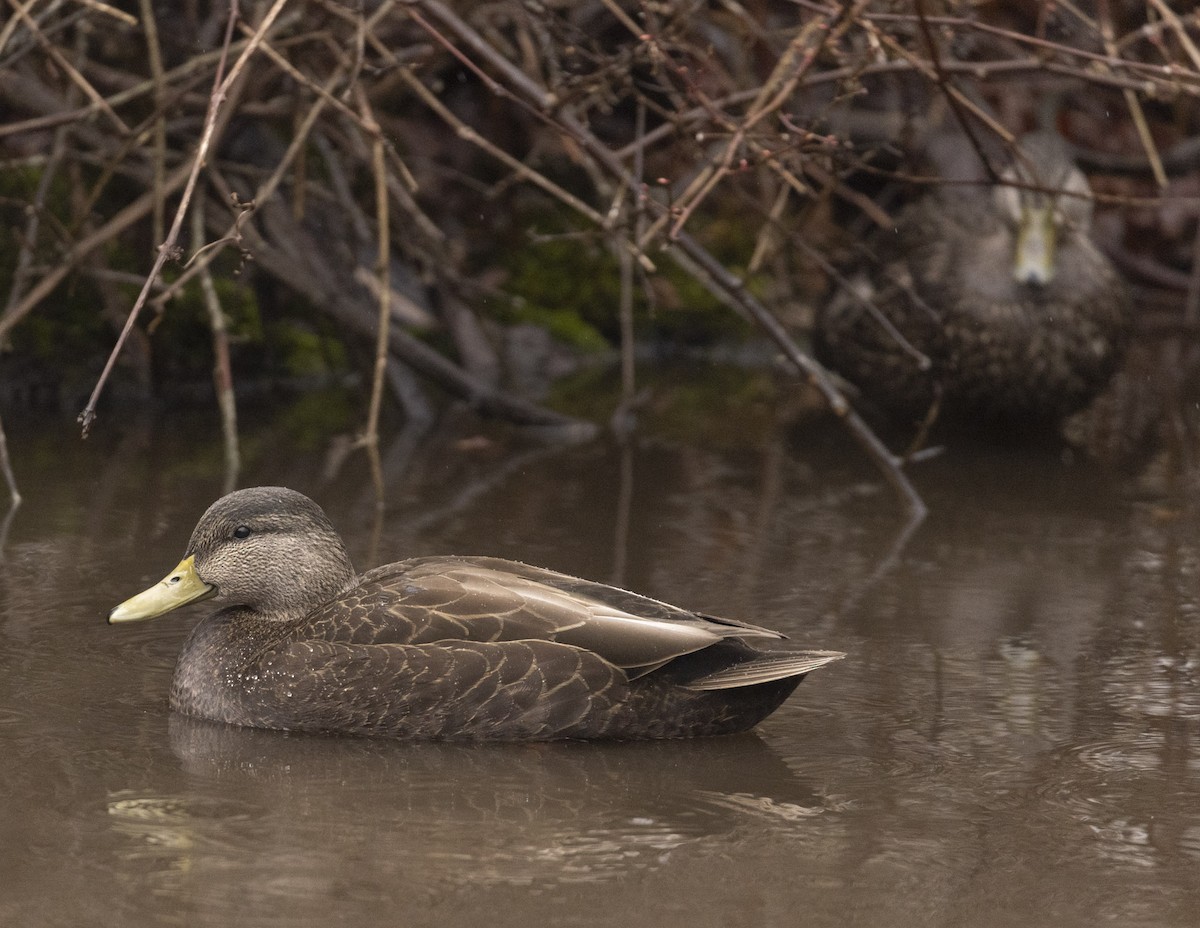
(765, 669)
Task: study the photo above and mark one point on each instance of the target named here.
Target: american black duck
(1020, 316)
(444, 647)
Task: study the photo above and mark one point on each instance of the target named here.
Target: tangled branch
(400, 130)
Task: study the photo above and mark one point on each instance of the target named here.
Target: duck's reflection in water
(269, 819)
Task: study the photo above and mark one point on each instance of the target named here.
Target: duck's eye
(242, 531)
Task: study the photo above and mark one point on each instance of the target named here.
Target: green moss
(298, 344)
(303, 350)
(569, 282)
(568, 285)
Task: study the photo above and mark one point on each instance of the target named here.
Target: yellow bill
(178, 588)
(1034, 262)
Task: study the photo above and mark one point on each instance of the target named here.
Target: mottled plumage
(1021, 317)
(444, 647)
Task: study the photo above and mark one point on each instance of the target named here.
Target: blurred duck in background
(984, 304)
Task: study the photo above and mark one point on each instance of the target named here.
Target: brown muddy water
(1012, 741)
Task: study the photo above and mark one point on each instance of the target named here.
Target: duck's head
(1044, 194)
(270, 550)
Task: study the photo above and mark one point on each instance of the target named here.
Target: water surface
(1011, 741)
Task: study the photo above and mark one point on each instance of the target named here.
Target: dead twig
(715, 276)
(1131, 102)
(889, 464)
(150, 25)
(370, 437)
(69, 69)
(222, 366)
(167, 250)
(571, 110)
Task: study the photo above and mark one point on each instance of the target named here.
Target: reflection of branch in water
(400, 451)
(886, 563)
(477, 488)
(393, 465)
(768, 505)
(771, 490)
(624, 508)
(6, 465)
(763, 806)
(6, 524)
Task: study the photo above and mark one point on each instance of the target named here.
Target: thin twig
(222, 366)
(10, 27)
(222, 85)
(150, 25)
(191, 70)
(1172, 19)
(889, 464)
(246, 210)
(959, 104)
(715, 276)
(1131, 102)
(37, 207)
(383, 266)
(521, 169)
(69, 69)
(119, 15)
(132, 213)
(622, 418)
(793, 64)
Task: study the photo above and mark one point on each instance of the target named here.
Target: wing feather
(764, 669)
(423, 600)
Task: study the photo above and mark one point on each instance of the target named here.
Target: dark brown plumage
(1021, 317)
(444, 647)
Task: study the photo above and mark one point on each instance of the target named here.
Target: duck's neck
(219, 661)
(313, 575)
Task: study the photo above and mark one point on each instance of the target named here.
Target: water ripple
(1154, 685)
(130, 807)
(1121, 755)
(9, 716)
